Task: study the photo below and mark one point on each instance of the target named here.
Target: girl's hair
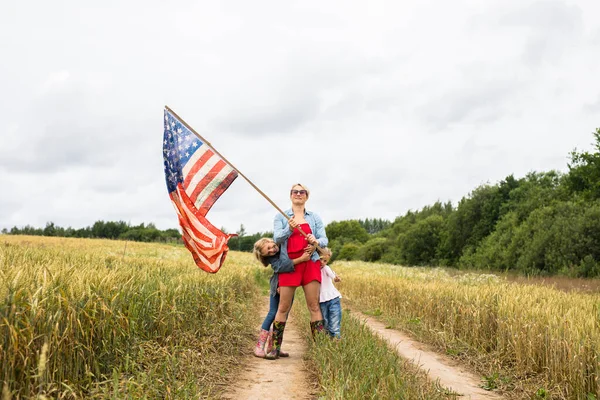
(326, 251)
(258, 246)
(303, 187)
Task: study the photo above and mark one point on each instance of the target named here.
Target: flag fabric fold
(196, 177)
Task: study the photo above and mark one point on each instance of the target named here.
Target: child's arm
(329, 272)
(282, 264)
(285, 264)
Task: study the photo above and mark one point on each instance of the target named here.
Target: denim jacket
(281, 230)
(280, 262)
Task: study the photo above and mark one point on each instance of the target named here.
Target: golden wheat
(521, 331)
(92, 318)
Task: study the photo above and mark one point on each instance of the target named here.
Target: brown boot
(278, 328)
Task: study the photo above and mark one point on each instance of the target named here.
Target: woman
(287, 235)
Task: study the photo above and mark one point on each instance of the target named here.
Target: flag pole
(237, 170)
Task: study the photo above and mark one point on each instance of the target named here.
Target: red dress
(304, 272)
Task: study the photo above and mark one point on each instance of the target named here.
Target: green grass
(361, 365)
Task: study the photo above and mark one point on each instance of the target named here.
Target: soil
(284, 378)
(287, 378)
(439, 367)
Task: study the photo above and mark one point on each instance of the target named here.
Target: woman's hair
(258, 246)
(303, 187)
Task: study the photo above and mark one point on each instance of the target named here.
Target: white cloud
(378, 108)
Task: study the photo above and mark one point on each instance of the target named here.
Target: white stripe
(191, 218)
(210, 248)
(195, 157)
(200, 174)
(203, 195)
(200, 254)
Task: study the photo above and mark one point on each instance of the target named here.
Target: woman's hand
(304, 257)
(312, 239)
(293, 224)
(310, 249)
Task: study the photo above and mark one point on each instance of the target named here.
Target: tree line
(542, 224)
(103, 230)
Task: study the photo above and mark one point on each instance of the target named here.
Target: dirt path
(440, 367)
(285, 378)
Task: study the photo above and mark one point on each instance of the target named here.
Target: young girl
(329, 297)
(267, 252)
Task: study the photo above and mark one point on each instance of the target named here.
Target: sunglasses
(302, 192)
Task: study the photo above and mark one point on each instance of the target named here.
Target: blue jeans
(332, 314)
(273, 306)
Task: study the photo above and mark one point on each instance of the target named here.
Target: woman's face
(270, 249)
(299, 195)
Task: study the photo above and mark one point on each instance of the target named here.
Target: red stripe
(190, 206)
(214, 262)
(208, 178)
(214, 196)
(199, 251)
(208, 268)
(197, 166)
(187, 224)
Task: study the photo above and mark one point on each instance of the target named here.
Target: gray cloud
(593, 107)
(281, 116)
(552, 27)
(474, 102)
(67, 126)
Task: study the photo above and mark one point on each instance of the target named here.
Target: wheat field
(82, 318)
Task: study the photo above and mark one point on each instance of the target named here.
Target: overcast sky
(378, 107)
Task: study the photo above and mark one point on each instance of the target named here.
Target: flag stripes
(196, 177)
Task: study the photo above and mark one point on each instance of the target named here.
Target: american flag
(196, 177)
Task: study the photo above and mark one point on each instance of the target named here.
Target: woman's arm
(281, 229)
(320, 233)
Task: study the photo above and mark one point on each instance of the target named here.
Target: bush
(349, 251)
(373, 250)
(419, 245)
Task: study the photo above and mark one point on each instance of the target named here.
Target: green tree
(349, 230)
(419, 245)
(373, 250)
(374, 225)
(584, 171)
(475, 218)
(348, 251)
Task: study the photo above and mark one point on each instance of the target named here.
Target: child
(329, 297)
(267, 252)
